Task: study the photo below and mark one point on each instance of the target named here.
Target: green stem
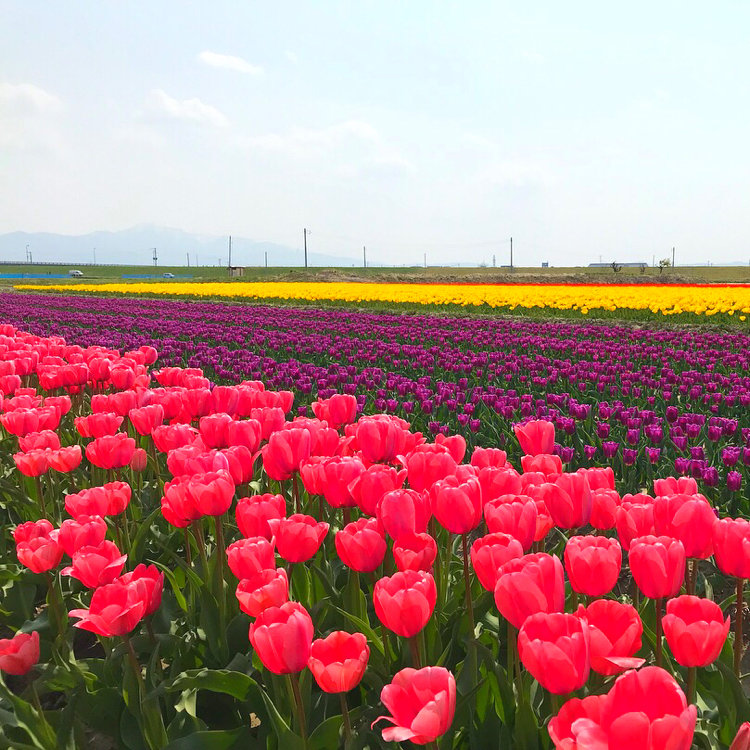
(691, 673)
(347, 720)
(295, 494)
(198, 532)
(658, 606)
(40, 496)
(294, 682)
(738, 628)
(220, 573)
(467, 586)
(414, 646)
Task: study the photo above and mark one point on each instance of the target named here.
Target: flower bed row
(236, 577)
(658, 299)
(649, 402)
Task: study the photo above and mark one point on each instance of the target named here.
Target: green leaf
(326, 734)
(236, 684)
(287, 738)
(364, 627)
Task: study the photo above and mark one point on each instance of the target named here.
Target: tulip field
(234, 526)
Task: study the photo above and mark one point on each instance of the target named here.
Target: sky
(584, 130)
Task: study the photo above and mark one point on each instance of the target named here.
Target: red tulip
(499, 482)
(39, 441)
(111, 451)
(731, 541)
(168, 437)
(39, 553)
(634, 520)
(457, 505)
(422, 703)
(426, 464)
(338, 410)
(404, 601)
(193, 459)
(285, 451)
(177, 504)
(245, 432)
(98, 425)
(675, 486)
(139, 461)
(110, 499)
(740, 742)
(604, 504)
(339, 661)
(149, 580)
(644, 709)
(380, 438)
(647, 709)
(96, 565)
(515, 515)
(404, 512)
(489, 553)
(456, 445)
(65, 459)
(211, 493)
(545, 463)
(19, 653)
(658, 565)
(369, 487)
(585, 715)
(147, 418)
(483, 457)
(282, 638)
(246, 557)
(85, 531)
(615, 631)
(689, 518)
(266, 588)
(254, 512)
(414, 552)
(270, 419)
(115, 609)
(554, 647)
(530, 584)
(695, 629)
(361, 545)
(568, 500)
(599, 478)
(213, 430)
(535, 437)
(593, 564)
(298, 537)
(34, 463)
(25, 532)
(338, 475)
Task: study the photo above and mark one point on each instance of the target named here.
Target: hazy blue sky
(580, 128)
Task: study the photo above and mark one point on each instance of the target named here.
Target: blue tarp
(33, 275)
(151, 276)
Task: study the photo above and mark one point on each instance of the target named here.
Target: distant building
(236, 271)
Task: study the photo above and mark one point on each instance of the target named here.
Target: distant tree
(616, 267)
(643, 268)
(664, 263)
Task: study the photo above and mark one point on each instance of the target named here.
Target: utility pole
(28, 255)
(672, 257)
(188, 259)
(156, 257)
(364, 257)
(425, 260)
(230, 251)
(494, 264)
(511, 253)
(304, 233)
(94, 256)
(266, 254)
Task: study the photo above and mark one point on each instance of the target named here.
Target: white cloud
(192, 110)
(25, 98)
(229, 62)
(291, 57)
(311, 141)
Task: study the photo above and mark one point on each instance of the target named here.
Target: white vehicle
(167, 275)
(75, 273)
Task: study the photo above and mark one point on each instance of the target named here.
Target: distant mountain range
(134, 246)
